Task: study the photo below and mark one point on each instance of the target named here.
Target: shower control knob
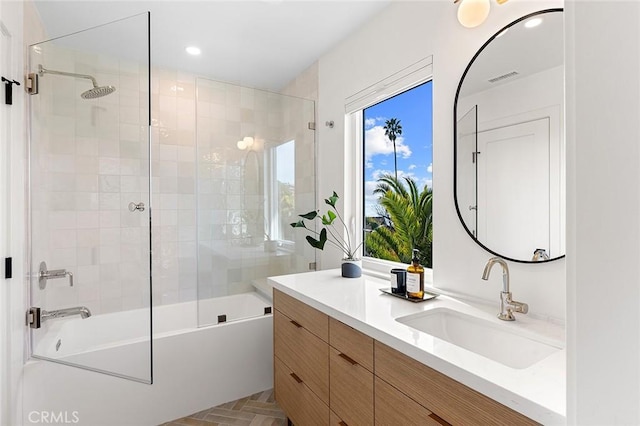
(133, 207)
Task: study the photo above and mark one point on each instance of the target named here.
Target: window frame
(397, 83)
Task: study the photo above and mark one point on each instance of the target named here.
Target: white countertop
(538, 392)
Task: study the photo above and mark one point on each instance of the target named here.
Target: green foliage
(286, 203)
(410, 213)
(330, 233)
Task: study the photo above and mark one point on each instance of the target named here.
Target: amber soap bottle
(415, 278)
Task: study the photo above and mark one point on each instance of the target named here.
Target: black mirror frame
(455, 138)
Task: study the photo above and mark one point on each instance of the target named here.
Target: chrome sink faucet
(507, 305)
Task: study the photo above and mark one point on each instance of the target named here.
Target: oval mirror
(509, 148)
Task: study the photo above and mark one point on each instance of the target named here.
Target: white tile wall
(90, 159)
(85, 155)
(231, 196)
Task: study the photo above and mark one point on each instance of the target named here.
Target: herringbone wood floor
(259, 409)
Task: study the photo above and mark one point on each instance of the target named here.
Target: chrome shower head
(95, 92)
(98, 92)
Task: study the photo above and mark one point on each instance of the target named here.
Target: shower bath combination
(93, 93)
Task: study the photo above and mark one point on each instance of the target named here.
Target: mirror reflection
(509, 141)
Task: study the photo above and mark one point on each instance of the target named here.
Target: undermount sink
(493, 341)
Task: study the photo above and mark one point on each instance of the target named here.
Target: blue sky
(414, 147)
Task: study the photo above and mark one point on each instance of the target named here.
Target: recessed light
(193, 50)
(533, 22)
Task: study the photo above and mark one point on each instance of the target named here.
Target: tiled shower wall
(94, 163)
(174, 202)
(234, 214)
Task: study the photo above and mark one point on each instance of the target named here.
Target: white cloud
(370, 199)
(376, 143)
(370, 122)
(430, 168)
(412, 166)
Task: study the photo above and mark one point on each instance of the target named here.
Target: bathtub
(193, 368)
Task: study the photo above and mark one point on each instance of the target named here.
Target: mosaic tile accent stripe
(259, 409)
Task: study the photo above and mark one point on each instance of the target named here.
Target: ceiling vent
(503, 77)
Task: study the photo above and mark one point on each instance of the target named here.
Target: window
(399, 106)
(398, 182)
(281, 188)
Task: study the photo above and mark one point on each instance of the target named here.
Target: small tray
(425, 297)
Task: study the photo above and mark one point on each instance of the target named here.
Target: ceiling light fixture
(245, 143)
(531, 23)
(193, 50)
(472, 13)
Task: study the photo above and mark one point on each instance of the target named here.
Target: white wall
(528, 98)
(12, 291)
(603, 211)
(414, 30)
(539, 90)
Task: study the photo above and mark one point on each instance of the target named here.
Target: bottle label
(413, 283)
(394, 281)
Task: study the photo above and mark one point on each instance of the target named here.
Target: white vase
(351, 268)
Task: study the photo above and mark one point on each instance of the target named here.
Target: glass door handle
(44, 274)
(133, 207)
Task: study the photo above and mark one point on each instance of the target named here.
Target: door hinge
(312, 266)
(312, 125)
(474, 156)
(8, 268)
(34, 318)
(31, 83)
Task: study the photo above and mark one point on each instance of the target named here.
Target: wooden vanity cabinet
(395, 408)
(350, 374)
(301, 360)
(327, 373)
(450, 400)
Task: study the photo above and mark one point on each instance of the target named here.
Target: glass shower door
(467, 169)
(89, 203)
(256, 173)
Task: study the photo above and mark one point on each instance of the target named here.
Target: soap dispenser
(415, 278)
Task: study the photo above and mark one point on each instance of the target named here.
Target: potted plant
(331, 233)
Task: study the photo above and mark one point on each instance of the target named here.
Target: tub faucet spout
(507, 305)
(83, 311)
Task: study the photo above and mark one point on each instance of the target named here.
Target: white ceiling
(262, 44)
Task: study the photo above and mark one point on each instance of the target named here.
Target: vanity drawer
(351, 389)
(395, 408)
(351, 342)
(447, 398)
(302, 352)
(311, 319)
(299, 403)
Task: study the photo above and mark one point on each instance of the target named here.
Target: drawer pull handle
(296, 324)
(438, 419)
(342, 423)
(296, 378)
(348, 359)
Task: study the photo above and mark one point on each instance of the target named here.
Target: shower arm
(42, 70)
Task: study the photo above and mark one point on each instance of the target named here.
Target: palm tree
(392, 129)
(410, 213)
